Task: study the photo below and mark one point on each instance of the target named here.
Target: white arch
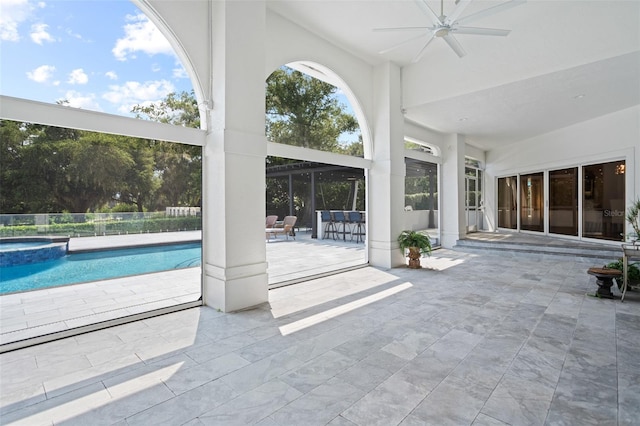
(204, 104)
(435, 149)
(327, 75)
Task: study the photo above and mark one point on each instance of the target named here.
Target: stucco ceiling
(564, 62)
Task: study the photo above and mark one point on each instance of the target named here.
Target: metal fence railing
(94, 224)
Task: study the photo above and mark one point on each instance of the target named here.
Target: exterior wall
(607, 138)
(287, 42)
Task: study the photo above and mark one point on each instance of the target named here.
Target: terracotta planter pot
(414, 258)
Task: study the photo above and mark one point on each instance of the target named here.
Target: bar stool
(356, 218)
(341, 221)
(329, 225)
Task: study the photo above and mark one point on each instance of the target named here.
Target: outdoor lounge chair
(286, 228)
(271, 221)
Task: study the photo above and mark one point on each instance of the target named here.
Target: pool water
(20, 245)
(99, 265)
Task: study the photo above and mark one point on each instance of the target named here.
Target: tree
(140, 181)
(179, 109)
(12, 138)
(85, 173)
(303, 111)
(178, 166)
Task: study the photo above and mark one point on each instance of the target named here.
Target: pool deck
(84, 244)
(29, 314)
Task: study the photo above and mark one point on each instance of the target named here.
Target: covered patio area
(474, 339)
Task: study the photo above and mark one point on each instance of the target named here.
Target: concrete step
(598, 254)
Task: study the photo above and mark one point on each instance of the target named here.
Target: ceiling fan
(445, 27)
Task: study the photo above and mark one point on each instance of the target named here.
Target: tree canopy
(304, 111)
(46, 169)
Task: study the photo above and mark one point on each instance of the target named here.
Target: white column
(234, 196)
(452, 200)
(385, 187)
(490, 192)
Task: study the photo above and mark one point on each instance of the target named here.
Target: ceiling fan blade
(491, 11)
(382, 52)
(481, 31)
(377, 30)
(453, 44)
(421, 52)
(453, 17)
(422, 4)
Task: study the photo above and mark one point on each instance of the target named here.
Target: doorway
(531, 202)
(473, 199)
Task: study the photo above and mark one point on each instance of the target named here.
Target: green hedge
(419, 201)
(185, 223)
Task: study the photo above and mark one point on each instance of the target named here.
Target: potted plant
(633, 217)
(417, 244)
(633, 273)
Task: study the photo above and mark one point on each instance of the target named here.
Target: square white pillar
(453, 219)
(385, 186)
(234, 248)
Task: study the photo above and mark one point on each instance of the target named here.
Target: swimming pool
(98, 265)
(7, 246)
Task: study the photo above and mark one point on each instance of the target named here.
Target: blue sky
(98, 55)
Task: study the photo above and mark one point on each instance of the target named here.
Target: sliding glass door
(531, 202)
(507, 202)
(603, 201)
(585, 202)
(563, 201)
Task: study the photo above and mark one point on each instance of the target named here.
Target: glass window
(531, 202)
(421, 185)
(507, 204)
(470, 162)
(563, 201)
(421, 192)
(415, 146)
(603, 201)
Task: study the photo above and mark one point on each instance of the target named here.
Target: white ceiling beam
(74, 118)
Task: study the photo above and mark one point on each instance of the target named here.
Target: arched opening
(315, 171)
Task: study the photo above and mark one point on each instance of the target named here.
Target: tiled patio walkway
(477, 339)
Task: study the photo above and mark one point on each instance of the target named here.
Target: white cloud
(84, 101)
(12, 14)
(42, 74)
(111, 75)
(39, 33)
(141, 35)
(72, 34)
(180, 72)
(78, 76)
(134, 93)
